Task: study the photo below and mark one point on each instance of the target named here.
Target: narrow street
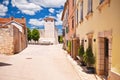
(38, 62)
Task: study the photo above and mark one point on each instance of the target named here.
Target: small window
(72, 22)
(73, 3)
(89, 6)
(89, 10)
(101, 1)
(68, 11)
(81, 11)
(63, 32)
(77, 16)
(67, 30)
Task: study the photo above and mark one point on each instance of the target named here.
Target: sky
(34, 11)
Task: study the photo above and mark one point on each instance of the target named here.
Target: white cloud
(18, 12)
(40, 22)
(57, 18)
(59, 15)
(49, 3)
(36, 22)
(50, 16)
(30, 7)
(51, 10)
(3, 10)
(26, 7)
(59, 10)
(6, 2)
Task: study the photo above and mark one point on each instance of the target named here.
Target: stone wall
(12, 40)
(6, 40)
(16, 40)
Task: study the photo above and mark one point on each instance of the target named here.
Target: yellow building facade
(98, 25)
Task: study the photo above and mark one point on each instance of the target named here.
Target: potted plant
(80, 55)
(89, 59)
(69, 47)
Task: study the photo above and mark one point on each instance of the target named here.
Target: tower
(50, 30)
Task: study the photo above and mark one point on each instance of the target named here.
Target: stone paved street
(37, 63)
(40, 62)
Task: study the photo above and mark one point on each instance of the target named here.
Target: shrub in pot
(69, 47)
(89, 59)
(80, 54)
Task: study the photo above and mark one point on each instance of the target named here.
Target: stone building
(13, 38)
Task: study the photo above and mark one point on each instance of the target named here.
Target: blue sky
(33, 10)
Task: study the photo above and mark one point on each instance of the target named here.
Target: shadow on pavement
(4, 64)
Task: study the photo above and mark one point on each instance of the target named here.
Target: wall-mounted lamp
(94, 40)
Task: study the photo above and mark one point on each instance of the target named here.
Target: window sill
(103, 4)
(90, 14)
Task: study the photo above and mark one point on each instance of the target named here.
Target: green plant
(80, 54)
(81, 51)
(60, 39)
(29, 36)
(35, 35)
(88, 57)
(69, 47)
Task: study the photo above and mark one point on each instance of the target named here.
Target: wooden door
(106, 59)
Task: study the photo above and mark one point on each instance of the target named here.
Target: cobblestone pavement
(40, 62)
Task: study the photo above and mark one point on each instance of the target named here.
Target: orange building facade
(96, 24)
(69, 27)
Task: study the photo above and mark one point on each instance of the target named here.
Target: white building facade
(50, 31)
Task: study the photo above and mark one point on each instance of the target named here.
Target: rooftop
(48, 18)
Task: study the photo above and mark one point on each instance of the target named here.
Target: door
(103, 56)
(106, 55)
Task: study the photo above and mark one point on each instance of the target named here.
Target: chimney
(22, 17)
(12, 18)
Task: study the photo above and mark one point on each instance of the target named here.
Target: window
(90, 6)
(77, 16)
(89, 11)
(72, 22)
(101, 1)
(63, 32)
(81, 11)
(73, 3)
(68, 11)
(67, 30)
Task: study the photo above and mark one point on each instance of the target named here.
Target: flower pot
(82, 63)
(90, 70)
